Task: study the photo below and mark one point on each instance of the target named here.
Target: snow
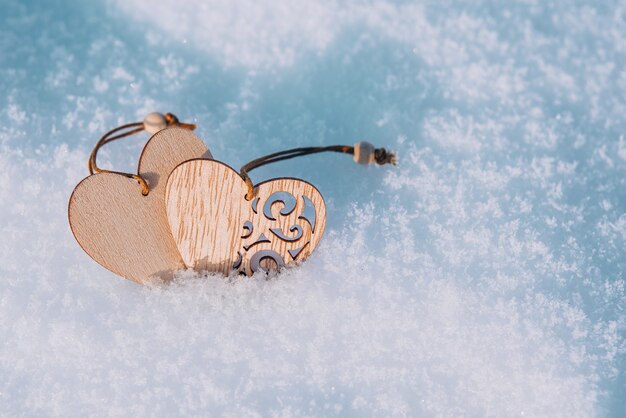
(484, 276)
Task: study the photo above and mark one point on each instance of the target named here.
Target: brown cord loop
(130, 129)
(381, 157)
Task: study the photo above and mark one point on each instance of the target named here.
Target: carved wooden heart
(216, 229)
(123, 230)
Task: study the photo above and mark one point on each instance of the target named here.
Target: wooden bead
(364, 153)
(154, 122)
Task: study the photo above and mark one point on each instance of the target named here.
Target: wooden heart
(123, 230)
(216, 229)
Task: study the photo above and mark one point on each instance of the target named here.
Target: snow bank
(484, 276)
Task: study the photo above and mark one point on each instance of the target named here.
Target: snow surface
(484, 276)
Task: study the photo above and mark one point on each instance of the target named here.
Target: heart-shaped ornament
(216, 229)
(121, 229)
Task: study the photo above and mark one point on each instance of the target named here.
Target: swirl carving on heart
(217, 230)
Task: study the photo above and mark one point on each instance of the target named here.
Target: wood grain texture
(123, 230)
(207, 211)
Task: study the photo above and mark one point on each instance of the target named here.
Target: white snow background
(484, 276)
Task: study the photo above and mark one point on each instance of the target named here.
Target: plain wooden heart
(123, 230)
(218, 230)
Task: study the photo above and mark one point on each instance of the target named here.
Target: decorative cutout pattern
(289, 205)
